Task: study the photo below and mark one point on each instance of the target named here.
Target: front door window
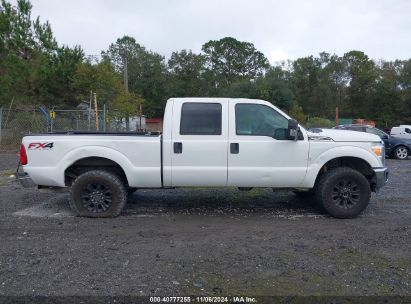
(260, 120)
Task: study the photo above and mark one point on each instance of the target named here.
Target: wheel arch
(355, 163)
(356, 158)
(92, 163)
(94, 157)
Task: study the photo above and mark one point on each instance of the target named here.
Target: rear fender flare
(94, 151)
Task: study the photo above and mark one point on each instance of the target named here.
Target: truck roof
(220, 99)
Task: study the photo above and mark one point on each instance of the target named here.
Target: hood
(342, 135)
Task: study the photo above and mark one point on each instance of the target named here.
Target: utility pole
(96, 109)
(141, 114)
(126, 71)
(89, 110)
(104, 117)
(123, 53)
(337, 118)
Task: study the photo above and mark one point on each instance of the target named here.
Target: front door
(260, 153)
(199, 143)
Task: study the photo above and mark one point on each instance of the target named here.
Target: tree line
(35, 69)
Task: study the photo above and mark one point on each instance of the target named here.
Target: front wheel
(401, 152)
(343, 192)
(98, 193)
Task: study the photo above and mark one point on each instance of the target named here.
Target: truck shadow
(220, 201)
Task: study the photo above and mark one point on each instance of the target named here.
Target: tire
(401, 153)
(343, 192)
(304, 194)
(98, 193)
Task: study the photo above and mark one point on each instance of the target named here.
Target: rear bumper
(381, 177)
(24, 179)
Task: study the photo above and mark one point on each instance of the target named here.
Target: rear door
(199, 142)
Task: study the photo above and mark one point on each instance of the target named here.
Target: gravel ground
(8, 161)
(205, 242)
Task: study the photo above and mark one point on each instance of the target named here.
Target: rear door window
(201, 118)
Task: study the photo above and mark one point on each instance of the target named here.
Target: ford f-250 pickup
(210, 142)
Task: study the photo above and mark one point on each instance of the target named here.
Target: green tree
(229, 59)
(405, 86)
(319, 122)
(33, 68)
(362, 75)
(297, 113)
(186, 71)
(99, 78)
(274, 87)
(103, 80)
(305, 83)
(146, 72)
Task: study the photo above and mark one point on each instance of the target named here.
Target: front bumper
(381, 177)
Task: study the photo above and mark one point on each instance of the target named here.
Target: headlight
(379, 151)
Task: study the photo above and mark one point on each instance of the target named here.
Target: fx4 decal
(41, 146)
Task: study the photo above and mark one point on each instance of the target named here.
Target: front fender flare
(315, 165)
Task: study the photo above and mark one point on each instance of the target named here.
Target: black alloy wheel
(96, 197)
(346, 194)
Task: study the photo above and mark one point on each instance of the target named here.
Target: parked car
(402, 131)
(396, 147)
(209, 142)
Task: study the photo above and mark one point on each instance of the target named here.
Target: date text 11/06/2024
(232, 299)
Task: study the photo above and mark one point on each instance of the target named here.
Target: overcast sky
(280, 29)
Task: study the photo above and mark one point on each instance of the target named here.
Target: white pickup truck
(210, 142)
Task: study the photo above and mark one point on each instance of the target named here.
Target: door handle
(234, 148)
(178, 147)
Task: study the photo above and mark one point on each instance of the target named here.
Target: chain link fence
(14, 123)
(17, 122)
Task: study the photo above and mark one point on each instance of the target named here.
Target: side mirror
(384, 136)
(292, 129)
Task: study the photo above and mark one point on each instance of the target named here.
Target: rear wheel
(401, 152)
(98, 193)
(343, 192)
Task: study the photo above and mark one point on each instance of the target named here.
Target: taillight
(23, 155)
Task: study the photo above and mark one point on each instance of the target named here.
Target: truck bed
(138, 154)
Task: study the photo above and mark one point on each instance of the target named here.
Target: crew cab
(210, 142)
